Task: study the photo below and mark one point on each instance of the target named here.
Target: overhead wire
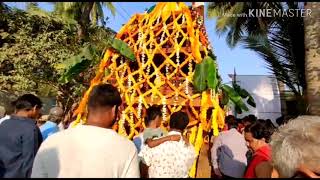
(122, 16)
(125, 11)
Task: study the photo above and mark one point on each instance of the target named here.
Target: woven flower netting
(167, 43)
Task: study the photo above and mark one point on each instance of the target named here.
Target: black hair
(231, 121)
(269, 123)
(258, 130)
(179, 120)
(271, 127)
(27, 102)
(250, 118)
(152, 113)
(280, 120)
(262, 121)
(104, 95)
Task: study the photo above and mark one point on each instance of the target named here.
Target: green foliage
(74, 10)
(123, 49)
(234, 97)
(151, 9)
(199, 77)
(85, 14)
(205, 75)
(212, 79)
(35, 52)
(89, 56)
(30, 46)
(278, 40)
(244, 94)
(77, 64)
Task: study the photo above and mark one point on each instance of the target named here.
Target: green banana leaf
(123, 49)
(200, 76)
(244, 94)
(89, 55)
(225, 98)
(205, 75)
(238, 109)
(80, 65)
(212, 79)
(151, 9)
(235, 97)
(251, 102)
(77, 64)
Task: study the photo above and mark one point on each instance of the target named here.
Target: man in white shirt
(90, 150)
(171, 159)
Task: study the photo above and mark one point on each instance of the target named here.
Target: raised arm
(156, 142)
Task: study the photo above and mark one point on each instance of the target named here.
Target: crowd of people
(256, 148)
(36, 145)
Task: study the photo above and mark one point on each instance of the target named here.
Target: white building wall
(264, 89)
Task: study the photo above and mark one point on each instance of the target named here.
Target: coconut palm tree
(312, 59)
(84, 13)
(279, 40)
(237, 27)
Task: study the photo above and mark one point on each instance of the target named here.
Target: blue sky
(245, 61)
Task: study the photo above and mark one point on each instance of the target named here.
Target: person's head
(249, 120)
(103, 104)
(43, 119)
(179, 121)
(231, 121)
(153, 117)
(2, 111)
(280, 120)
(28, 105)
(270, 126)
(295, 147)
(256, 135)
(56, 114)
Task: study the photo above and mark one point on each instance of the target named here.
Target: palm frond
(261, 45)
(111, 7)
(100, 13)
(94, 14)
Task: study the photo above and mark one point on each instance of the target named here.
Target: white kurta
(86, 151)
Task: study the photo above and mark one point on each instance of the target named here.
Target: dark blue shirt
(20, 139)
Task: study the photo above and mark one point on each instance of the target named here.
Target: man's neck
(176, 130)
(96, 124)
(152, 127)
(96, 121)
(22, 114)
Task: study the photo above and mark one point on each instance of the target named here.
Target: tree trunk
(312, 58)
(84, 20)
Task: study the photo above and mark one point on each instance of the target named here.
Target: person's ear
(113, 110)
(34, 111)
(34, 108)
